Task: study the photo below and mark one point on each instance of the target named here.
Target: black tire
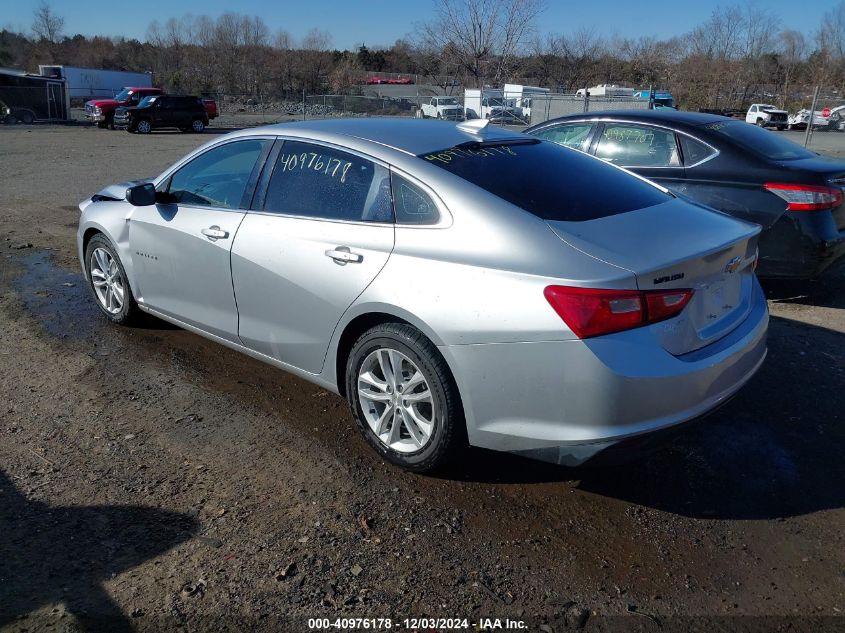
(129, 312)
(761, 123)
(26, 117)
(781, 128)
(140, 128)
(102, 125)
(110, 121)
(198, 126)
(448, 435)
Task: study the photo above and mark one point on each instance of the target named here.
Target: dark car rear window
(550, 181)
(762, 142)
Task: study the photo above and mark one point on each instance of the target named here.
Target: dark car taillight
(595, 311)
(806, 197)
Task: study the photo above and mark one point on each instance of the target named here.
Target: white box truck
(521, 96)
(87, 83)
(490, 103)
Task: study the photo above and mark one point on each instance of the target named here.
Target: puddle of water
(57, 298)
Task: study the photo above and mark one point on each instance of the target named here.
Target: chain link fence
(815, 117)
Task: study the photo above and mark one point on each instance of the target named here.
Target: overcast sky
(381, 22)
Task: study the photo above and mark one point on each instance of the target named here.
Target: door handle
(342, 255)
(215, 233)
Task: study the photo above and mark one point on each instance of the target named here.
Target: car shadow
(775, 450)
(63, 554)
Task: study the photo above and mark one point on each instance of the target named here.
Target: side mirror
(141, 195)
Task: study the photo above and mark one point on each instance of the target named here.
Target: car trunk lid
(679, 245)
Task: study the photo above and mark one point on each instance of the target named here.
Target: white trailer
(521, 96)
(87, 83)
(607, 90)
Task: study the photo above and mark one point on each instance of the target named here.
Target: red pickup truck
(101, 111)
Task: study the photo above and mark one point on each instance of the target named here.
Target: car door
(650, 151)
(320, 230)
(751, 115)
(576, 135)
(180, 248)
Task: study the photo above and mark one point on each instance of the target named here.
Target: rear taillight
(595, 311)
(806, 197)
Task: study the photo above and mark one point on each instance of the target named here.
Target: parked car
(800, 119)
(402, 81)
(183, 112)
(793, 193)
(453, 281)
(101, 111)
(763, 115)
(442, 108)
(375, 81)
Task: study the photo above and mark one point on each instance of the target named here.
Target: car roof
(411, 136)
(646, 116)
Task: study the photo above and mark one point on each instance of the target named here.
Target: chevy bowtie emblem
(733, 265)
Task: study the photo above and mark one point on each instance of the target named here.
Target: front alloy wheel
(143, 127)
(108, 281)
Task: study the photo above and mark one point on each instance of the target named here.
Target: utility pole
(808, 135)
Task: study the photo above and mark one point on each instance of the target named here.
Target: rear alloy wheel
(107, 280)
(143, 127)
(403, 397)
(197, 125)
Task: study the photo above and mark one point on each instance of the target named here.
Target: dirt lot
(150, 479)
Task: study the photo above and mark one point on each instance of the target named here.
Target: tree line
(738, 55)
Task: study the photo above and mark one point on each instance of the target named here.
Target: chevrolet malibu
(455, 283)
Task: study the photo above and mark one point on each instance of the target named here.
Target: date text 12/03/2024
(417, 624)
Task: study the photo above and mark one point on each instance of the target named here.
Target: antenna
(473, 126)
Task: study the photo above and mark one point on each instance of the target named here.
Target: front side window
(638, 146)
(321, 182)
(574, 135)
(412, 204)
(218, 177)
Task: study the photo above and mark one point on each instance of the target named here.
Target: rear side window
(217, 177)
(759, 141)
(321, 182)
(548, 180)
(638, 146)
(412, 204)
(574, 135)
(694, 151)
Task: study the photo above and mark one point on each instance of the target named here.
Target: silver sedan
(456, 283)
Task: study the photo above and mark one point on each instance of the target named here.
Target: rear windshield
(762, 142)
(548, 180)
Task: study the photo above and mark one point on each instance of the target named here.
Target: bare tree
(485, 36)
(46, 25)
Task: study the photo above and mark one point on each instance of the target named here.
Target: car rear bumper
(801, 246)
(567, 401)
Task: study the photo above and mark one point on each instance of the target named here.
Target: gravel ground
(150, 479)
